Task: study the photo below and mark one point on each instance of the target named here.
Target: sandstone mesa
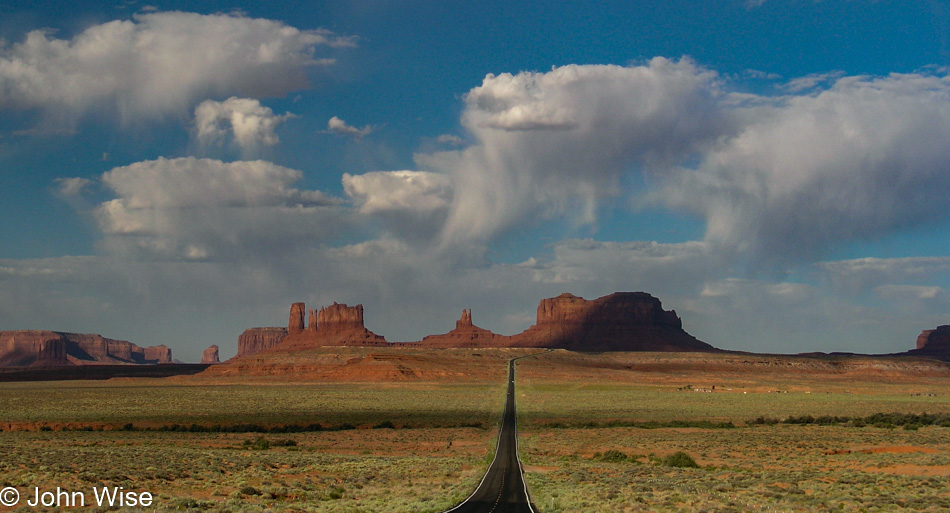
(53, 348)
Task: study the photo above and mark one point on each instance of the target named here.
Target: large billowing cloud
(203, 209)
(860, 160)
(244, 121)
(777, 179)
(558, 143)
(158, 63)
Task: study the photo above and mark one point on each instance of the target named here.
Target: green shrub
(613, 456)
(258, 444)
(680, 459)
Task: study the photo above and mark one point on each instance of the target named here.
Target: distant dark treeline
(252, 428)
(879, 420)
(98, 372)
(702, 424)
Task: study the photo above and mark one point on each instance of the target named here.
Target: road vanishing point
(503, 489)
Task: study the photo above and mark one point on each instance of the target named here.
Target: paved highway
(503, 489)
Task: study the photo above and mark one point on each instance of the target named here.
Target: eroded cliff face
(32, 347)
(295, 325)
(43, 348)
(255, 340)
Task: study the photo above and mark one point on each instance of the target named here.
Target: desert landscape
(402, 256)
(330, 417)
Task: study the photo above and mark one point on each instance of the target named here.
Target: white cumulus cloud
(412, 204)
(558, 143)
(250, 124)
(862, 159)
(158, 63)
(204, 208)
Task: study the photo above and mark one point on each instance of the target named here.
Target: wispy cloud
(338, 126)
(451, 139)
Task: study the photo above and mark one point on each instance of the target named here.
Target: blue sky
(175, 172)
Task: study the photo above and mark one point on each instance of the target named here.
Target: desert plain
(402, 429)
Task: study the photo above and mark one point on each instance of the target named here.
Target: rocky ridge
(623, 321)
(54, 348)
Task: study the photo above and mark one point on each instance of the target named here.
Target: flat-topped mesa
(32, 347)
(334, 325)
(339, 318)
(49, 348)
(622, 321)
(935, 342)
(466, 334)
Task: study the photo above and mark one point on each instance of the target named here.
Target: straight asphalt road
(503, 489)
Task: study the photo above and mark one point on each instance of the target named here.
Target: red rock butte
(334, 325)
(622, 321)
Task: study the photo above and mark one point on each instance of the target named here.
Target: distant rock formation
(334, 325)
(158, 354)
(48, 348)
(296, 318)
(255, 340)
(935, 342)
(466, 334)
(622, 321)
(32, 347)
(210, 355)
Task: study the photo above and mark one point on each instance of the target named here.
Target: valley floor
(597, 433)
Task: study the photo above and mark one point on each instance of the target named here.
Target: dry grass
(432, 461)
(748, 468)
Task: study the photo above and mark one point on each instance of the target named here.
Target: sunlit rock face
(335, 325)
(255, 340)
